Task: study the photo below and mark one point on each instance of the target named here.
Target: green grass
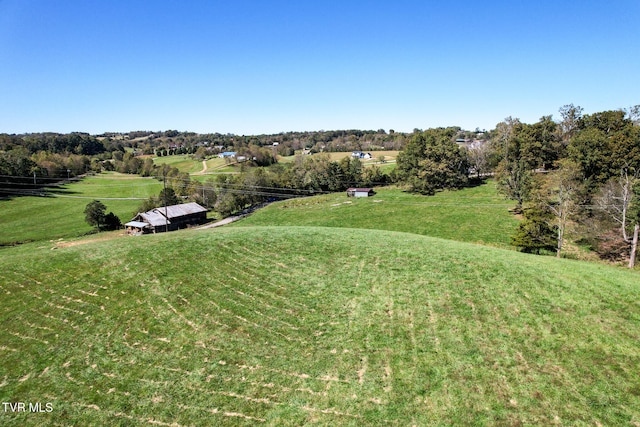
(183, 162)
(62, 216)
(477, 214)
(315, 325)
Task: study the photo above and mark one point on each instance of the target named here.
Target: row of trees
(285, 143)
(76, 143)
(231, 193)
(579, 175)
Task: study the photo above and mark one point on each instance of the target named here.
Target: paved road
(222, 222)
(234, 218)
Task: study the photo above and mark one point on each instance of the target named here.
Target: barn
(167, 219)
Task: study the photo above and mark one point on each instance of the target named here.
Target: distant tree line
(231, 193)
(170, 142)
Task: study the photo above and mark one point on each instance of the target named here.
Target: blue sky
(250, 67)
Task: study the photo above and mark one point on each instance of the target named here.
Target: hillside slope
(304, 325)
(478, 214)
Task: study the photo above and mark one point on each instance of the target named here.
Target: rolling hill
(314, 325)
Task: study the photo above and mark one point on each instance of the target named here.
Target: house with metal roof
(167, 218)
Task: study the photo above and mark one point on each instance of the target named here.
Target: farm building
(361, 155)
(167, 219)
(360, 192)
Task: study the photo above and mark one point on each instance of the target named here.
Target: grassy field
(314, 325)
(183, 162)
(389, 157)
(62, 216)
(477, 214)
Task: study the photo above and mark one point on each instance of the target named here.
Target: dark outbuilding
(360, 192)
(167, 219)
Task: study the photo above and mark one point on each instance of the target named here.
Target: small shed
(360, 192)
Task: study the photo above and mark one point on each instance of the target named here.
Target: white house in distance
(360, 192)
(361, 155)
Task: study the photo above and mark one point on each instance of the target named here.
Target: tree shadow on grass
(476, 181)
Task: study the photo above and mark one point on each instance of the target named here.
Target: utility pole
(164, 199)
(634, 246)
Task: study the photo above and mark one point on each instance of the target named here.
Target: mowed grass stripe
(404, 329)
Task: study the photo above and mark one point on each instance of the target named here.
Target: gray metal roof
(156, 217)
(137, 224)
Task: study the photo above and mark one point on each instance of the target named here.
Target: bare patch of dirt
(99, 238)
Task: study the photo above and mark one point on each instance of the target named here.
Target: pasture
(389, 158)
(183, 162)
(476, 215)
(314, 325)
(62, 214)
(186, 163)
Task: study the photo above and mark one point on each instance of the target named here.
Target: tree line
(578, 176)
(231, 193)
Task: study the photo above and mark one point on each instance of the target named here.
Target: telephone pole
(164, 199)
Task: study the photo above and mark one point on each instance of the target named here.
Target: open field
(477, 214)
(183, 162)
(305, 325)
(62, 216)
(389, 157)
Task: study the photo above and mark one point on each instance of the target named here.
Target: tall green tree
(431, 161)
(534, 233)
(94, 213)
(168, 197)
(515, 181)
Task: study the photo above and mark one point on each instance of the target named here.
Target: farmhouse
(169, 218)
(361, 155)
(226, 154)
(360, 192)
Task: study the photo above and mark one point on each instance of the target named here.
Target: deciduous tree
(432, 160)
(94, 213)
(560, 191)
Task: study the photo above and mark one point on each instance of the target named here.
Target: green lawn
(62, 216)
(315, 325)
(183, 162)
(477, 214)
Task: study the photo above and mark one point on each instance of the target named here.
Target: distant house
(360, 192)
(167, 219)
(226, 154)
(361, 155)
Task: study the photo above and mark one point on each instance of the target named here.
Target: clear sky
(250, 66)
